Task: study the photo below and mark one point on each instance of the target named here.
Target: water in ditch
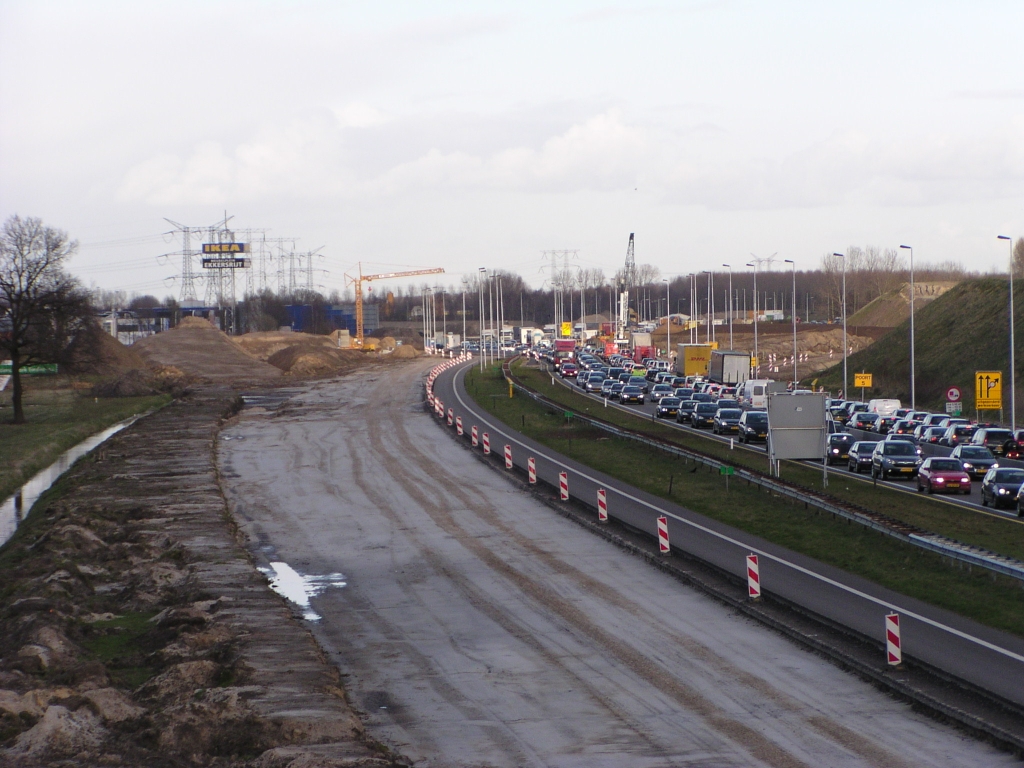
(14, 509)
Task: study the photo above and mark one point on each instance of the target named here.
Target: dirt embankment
(893, 308)
(202, 351)
(134, 629)
(818, 346)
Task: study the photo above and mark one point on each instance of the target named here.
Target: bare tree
(43, 310)
(1018, 257)
(647, 274)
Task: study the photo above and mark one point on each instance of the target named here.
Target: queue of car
(896, 454)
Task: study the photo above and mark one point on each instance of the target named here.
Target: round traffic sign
(953, 394)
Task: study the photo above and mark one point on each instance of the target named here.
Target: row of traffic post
(894, 652)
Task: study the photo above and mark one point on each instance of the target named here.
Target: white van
(753, 393)
(884, 407)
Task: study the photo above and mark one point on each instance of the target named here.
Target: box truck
(693, 359)
(727, 366)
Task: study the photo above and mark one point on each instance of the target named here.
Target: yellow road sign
(567, 329)
(862, 379)
(988, 390)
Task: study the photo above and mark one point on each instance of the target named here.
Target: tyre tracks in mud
(475, 627)
(656, 675)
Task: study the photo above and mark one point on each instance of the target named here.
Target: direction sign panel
(953, 394)
(988, 390)
(862, 379)
(567, 329)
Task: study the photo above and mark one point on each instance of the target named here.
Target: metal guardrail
(966, 553)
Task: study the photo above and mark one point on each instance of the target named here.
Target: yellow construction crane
(360, 278)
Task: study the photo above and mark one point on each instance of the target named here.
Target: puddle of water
(14, 509)
(296, 588)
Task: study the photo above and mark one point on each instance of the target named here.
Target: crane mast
(358, 280)
(628, 279)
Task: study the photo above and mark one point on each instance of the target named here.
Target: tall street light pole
(693, 315)
(757, 367)
(1013, 371)
(913, 370)
(707, 335)
(793, 312)
(480, 316)
(845, 348)
(464, 281)
(729, 267)
(668, 321)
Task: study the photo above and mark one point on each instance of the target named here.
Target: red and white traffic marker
(663, 547)
(563, 486)
(458, 425)
(476, 436)
(508, 456)
(531, 470)
(487, 444)
(602, 505)
(893, 645)
(753, 578)
(451, 417)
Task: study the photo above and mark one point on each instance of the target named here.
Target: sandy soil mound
(109, 357)
(316, 360)
(264, 344)
(405, 352)
(198, 349)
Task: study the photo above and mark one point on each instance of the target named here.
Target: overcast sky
(461, 134)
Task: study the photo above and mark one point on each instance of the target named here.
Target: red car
(569, 370)
(941, 475)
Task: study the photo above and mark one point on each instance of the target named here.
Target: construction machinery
(628, 280)
(358, 280)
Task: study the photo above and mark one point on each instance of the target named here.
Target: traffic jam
(709, 391)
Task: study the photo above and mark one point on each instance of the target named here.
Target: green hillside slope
(963, 331)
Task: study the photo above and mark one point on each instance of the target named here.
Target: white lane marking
(736, 542)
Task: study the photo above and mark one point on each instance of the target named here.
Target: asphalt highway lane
(990, 659)
(478, 628)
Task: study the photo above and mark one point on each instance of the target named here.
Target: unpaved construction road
(477, 627)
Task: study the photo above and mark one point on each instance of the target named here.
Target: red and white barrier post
(531, 470)
(476, 436)
(451, 417)
(663, 547)
(458, 425)
(563, 486)
(508, 456)
(893, 644)
(487, 444)
(602, 505)
(753, 578)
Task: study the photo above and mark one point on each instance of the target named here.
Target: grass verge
(991, 599)
(57, 421)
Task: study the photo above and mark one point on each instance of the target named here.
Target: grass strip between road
(56, 421)
(986, 597)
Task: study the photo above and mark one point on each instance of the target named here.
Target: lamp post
(729, 267)
(707, 335)
(913, 383)
(793, 312)
(668, 322)
(845, 394)
(1013, 372)
(757, 367)
(480, 316)
(464, 281)
(693, 315)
